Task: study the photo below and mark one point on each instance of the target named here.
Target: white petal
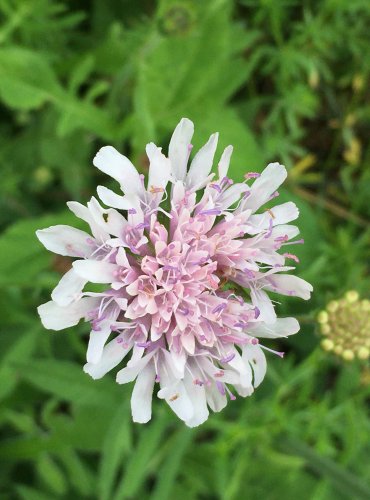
(288, 284)
(197, 394)
(129, 373)
(109, 220)
(231, 195)
(111, 162)
(141, 398)
(111, 199)
(265, 185)
(178, 151)
(113, 354)
(261, 300)
(281, 214)
(97, 342)
(223, 165)
(202, 163)
(84, 213)
(178, 400)
(159, 168)
(254, 355)
(95, 271)
(68, 289)
(56, 317)
(66, 240)
(281, 328)
(243, 369)
(215, 399)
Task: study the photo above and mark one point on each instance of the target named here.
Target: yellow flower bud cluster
(345, 326)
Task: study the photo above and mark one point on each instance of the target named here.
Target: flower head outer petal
(66, 240)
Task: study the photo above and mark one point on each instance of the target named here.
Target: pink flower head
(187, 264)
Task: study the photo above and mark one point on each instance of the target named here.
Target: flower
(345, 324)
(187, 262)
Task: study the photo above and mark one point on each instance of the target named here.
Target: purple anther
(257, 312)
(250, 274)
(254, 341)
(282, 238)
(228, 358)
(167, 267)
(291, 256)
(240, 324)
(221, 388)
(216, 187)
(274, 195)
(211, 211)
(143, 225)
(131, 211)
(269, 231)
(252, 175)
(198, 382)
(246, 194)
(219, 308)
(143, 344)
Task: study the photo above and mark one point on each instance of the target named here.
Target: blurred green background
(282, 81)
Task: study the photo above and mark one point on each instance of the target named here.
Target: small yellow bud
(345, 325)
(365, 305)
(325, 329)
(363, 353)
(348, 355)
(332, 306)
(323, 317)
(352, 296)
(338, 349)
(327, 344)
(358, 83)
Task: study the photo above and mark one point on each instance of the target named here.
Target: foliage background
(285, 81)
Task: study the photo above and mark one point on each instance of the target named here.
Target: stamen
(219, 308)
(280, 354)
(252, 175)
(228, 358)
(216, 187)
(211, 211)
(221, 388)
(144, 344)
(291, 256)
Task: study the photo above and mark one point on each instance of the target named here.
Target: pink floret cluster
(186, 264)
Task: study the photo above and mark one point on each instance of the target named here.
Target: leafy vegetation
(285, 81)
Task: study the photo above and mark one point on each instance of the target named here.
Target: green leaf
(23, 257)
(51, 474)
(26, 79)
(169, 471)
(117, 444)
(342, 479)
(67, 381)
(20, 350)
(137, 467)
(28, 493)
(80, 476)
